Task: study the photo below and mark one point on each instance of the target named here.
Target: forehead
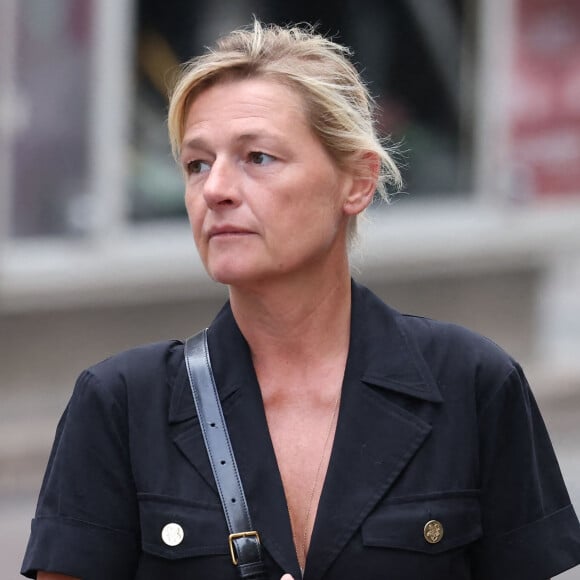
(254, 100)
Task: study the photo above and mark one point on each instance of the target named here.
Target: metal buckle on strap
(232, 537)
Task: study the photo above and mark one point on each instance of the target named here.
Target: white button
(172, 534)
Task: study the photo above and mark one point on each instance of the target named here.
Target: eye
(196, 166)
(260, 158)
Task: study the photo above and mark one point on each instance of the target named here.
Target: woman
(370, 444)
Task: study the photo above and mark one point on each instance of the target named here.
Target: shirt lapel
(375, 438)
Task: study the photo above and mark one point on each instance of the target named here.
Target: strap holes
(212, 424)
(223, 461)
(233, 500)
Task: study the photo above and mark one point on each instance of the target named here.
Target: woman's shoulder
(439, 335)
(458, 356)
(134, 369)
(434, 340)
(150, 356)
(459, 361)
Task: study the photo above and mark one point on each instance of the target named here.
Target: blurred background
(482, 98)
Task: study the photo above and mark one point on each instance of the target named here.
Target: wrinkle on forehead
(261, 104)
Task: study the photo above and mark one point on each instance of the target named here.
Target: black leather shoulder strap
(244, 541)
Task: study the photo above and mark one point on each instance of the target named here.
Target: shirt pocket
(429, 525)
(174, 529)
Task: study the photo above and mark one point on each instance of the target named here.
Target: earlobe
(364, 183)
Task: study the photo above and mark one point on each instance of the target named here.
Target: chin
(232, 275)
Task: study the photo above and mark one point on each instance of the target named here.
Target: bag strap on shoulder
(244, 541)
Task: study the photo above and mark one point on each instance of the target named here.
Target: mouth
(227, 232)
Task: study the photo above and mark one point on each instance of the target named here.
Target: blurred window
(50, 148)
(415, 56)
(544, 100)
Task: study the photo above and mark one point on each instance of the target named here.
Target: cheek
(196, 214)
(195, 210)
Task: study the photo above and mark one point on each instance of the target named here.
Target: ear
(364, 182)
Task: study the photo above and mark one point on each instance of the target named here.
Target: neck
(297, 321)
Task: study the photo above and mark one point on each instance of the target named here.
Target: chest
(302, 442)
(302, 439)
(302, 436)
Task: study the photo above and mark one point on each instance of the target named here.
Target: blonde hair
(338, 105)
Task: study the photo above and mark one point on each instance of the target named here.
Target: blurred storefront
(480, 98)
(544, 108)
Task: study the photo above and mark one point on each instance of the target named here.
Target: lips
(226, 231)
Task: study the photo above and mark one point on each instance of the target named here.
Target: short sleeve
(86, 522)
(530, 529)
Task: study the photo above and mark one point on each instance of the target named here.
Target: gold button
(172, 534)
(433, 531)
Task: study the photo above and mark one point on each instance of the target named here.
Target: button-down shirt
(441, 467)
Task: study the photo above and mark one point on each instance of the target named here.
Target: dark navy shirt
(436, 424)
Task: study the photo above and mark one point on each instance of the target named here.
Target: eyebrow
(200, 142)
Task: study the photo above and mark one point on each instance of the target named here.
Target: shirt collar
(383, 353)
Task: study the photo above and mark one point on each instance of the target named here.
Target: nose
(221, 187)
